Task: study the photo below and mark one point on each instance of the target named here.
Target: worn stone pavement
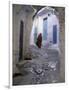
(43, 68)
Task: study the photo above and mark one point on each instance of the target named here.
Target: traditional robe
(39, 40)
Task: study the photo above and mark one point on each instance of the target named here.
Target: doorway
(21, 40)
(54, 34)
(44, 28)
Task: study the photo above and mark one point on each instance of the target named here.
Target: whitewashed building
(47, 23)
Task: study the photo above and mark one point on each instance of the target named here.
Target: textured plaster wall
(27, 19)
(61, 17)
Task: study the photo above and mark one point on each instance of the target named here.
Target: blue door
(54, 34)
(44, 29)
(35, 35)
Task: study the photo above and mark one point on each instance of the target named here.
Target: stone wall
(61, 16)
(20, 14)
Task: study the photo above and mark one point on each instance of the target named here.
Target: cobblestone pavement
(43, 68)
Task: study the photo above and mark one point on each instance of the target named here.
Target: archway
(45, 22)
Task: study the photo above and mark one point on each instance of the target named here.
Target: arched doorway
(48, 26)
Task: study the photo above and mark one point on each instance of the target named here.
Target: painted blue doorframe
(35, 35)
(44, 29)
(54, 34)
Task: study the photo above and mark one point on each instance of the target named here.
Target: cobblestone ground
(43, 68)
